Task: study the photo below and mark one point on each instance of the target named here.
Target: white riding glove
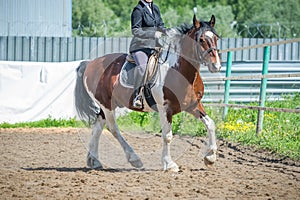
(157, 34)
(171, 32)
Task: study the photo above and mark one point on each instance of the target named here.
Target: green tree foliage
(224, 17)
(272, 18)
(93, 18)
(235, 18)
(179, 6)
(287, 14)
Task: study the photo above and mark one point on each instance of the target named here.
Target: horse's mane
(185, 28)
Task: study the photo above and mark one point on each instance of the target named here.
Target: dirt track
(50, 164)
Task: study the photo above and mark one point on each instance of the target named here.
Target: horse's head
(206, 43)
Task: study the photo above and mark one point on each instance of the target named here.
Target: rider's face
(148, 1)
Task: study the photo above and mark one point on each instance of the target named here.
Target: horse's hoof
(210, 158)
(172, 168)
(93, 163)
(135, 161)
(208, 163)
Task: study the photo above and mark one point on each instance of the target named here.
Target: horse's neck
(182, 56)
(187, 69)
(188, 62)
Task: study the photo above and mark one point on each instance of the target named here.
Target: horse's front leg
(166, 125)
(210, 155)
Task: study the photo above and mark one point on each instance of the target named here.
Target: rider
(147, 27)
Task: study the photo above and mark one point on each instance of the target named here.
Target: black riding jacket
(143, 27)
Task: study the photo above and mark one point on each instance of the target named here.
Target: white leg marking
(131, 156)
(93, 157)
(168, 163)
(210, 157)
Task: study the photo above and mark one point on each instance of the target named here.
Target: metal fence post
(263, 88)
(227, 83)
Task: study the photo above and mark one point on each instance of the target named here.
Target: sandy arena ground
(50, 164)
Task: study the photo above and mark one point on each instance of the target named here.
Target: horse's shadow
(86, 169)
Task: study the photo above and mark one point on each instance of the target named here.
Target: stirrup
(138, 102)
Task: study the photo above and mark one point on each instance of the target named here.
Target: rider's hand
(171, 32)
(158, 34)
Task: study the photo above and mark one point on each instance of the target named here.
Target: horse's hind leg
(131, 156)
(93, 157)
(210, 156)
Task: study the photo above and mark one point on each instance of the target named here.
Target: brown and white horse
(178, 88)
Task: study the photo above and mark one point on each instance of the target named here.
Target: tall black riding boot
(138, 85)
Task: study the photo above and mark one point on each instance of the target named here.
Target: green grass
(45, 123)
(182, 123)
(281, 131)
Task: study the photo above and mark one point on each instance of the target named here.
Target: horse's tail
(84, 104)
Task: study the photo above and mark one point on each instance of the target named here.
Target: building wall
(36, 18)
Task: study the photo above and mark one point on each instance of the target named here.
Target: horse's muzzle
(214, 67)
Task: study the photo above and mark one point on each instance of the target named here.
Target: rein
(168, 52)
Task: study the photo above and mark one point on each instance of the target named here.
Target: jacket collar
(144, 3)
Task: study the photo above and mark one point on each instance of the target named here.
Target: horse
(178, 88)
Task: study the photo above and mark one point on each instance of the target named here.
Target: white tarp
(30, 91)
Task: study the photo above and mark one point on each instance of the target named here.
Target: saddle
(151, 74)
(127, 71)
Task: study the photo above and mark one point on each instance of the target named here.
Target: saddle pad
(127, 74)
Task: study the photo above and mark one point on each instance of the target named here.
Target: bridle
(200, 53)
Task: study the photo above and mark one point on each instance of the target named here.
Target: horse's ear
(212, 21)
(196, 22)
